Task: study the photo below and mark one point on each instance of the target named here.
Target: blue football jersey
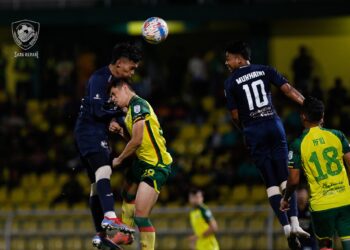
(248, 89)
(91, 129)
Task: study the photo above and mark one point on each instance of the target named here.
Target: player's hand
(116, 162)
(114, 127)
(284, 205)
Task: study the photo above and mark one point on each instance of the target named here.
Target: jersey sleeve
(206, 213)
(231, 103)
(139, 110)
(343, 140)
(276, 78)
(294, 155)
(98, 98)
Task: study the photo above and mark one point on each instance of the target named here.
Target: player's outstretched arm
(213, 228)
(292, 93)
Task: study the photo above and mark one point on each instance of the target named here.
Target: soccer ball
(154, 30)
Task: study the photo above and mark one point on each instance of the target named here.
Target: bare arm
(292, 93)
(133, 144)
(213, 228)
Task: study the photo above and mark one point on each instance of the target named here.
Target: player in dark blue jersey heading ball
(91, 133)
(248, 94)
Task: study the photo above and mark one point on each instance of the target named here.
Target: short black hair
(126, 50)
(240, 48)
(313, 109)
(194, 191)
(114, 82)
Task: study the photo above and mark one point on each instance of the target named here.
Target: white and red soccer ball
(155, 30)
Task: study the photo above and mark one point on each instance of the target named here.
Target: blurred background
(43, 189)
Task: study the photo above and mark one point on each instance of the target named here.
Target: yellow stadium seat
(56, 243)
(167, 242)
(205, 131)
(258, 194)
(117, 179)
(280, 242)
(261, 243)
(74, 243)
(240, 194)
(3, 195)
(18, 195)
(188, 131)
(36, 243)
(47, 180)
(48, 224)
(257, 224)
(18, 243)
(160, 223)
(35, 195)
(29, 225)
(245, 242)
(208, 103)
(226, 242)
(29, 181)
(180, 223)
(237, 223)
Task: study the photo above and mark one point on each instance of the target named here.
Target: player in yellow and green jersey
(151, 166)
(203, 223)
(321, 153)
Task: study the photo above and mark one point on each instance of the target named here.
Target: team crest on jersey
(137, 109)
(290, 155)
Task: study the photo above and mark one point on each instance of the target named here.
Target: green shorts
(142, 171)
(325, 223)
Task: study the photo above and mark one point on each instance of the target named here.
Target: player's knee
(272, 191)
(93, 190)
(103, 172)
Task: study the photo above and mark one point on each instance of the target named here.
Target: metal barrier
(77, 223)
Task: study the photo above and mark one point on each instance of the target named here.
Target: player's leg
(100, 163)
(146, 197)
(152, 179)
(129, 194)
(324, 223)
(343, 226)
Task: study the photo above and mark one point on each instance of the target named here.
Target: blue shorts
(267, 143)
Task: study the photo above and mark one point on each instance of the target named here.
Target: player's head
(120, 91)
(312, 111)
(125, 59)
(237, 55)
(195, 197)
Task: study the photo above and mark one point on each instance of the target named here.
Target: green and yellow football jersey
(200, 217)
(152, 149)
(319, 152)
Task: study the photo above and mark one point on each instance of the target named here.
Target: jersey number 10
(256, 86)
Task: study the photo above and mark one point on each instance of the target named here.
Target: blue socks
(96, 211)
(275, 204)
(105, 194)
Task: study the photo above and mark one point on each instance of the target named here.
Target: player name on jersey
(249, 76)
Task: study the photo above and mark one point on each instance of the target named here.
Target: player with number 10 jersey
(248, 94)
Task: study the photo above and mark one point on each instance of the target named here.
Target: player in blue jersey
(248, 95)
(91, 133)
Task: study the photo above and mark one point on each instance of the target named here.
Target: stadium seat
(47, 180)
(245, 243)
(36, 243)
(258, 194)
(181, 223)
(188, 131)
(160, 223)
(167, 242)
(237, 223)
(239, 194)
(260, 243)
(17, 195)
(280, 242)
(3, 195)
(18, 243)
(257, 224)
(226, 242)
(73, 243)
(56, 243)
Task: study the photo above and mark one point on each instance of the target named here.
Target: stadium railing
(240, 227)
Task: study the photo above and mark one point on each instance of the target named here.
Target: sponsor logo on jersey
(104, 144)
(97, 97)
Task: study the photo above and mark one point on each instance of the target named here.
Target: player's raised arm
(292, 93)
